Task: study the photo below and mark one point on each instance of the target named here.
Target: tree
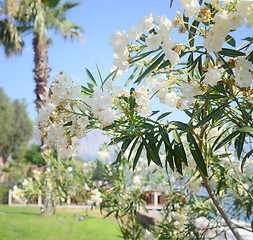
(37, 17)
(33, 156)
(20, 17)
(16, 128)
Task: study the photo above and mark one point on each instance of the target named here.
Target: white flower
(201, 222)
(194, 186)
(172, 56)
(236, 20)
(148, 235)
(243, 75)
(171, 99)
(69, 169)
(96, 197)
(189, 91)
(213, 43)
(212, 76)
(83, 121)
(153, 41)
(134, 33)
(146, 24)
(25, 182)
(66, 152)
(190, 7)
(119, 40)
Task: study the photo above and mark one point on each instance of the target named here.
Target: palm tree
(20, 17)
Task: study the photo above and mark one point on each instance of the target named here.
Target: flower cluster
(225, 21)
(160, 38)
(143, 101)
(160, 88)
(96, 197)
(243, 72)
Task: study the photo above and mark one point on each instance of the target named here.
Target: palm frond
(10, 37)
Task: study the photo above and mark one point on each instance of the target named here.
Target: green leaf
(239, 142)
(245, 158)
(163, 116)
(178, 163)
(164, 64)
(137, 155)
(209, 96)
(99, 73)
(123, 148)
(87, 90)
(141, 56)
(230, 52)
(171, 1)
(211, 115)
(230, 40)
(68, 124)
(250, 39)
(186, 20)
(200, 65)
(149, 70)
(153, 152)
(132, 76)
(190, 65)
(196, 153)
(169, 157)
(180, 125)
(192, 32)
(245, 129)
(218, 138)
(90, 76)
(250, 56)
(224, 64)
(133, 147)
(179, 147)
(227, 139)
(118, 140)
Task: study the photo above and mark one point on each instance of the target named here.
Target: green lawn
(24, 223)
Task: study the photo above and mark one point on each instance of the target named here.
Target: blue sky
(99, 20)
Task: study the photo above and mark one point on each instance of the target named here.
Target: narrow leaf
(178, 147)
(231, 52)
(211, 115)
(180, 125)
(192, 32)
(230, 40)
(224, 64)
(196, 153)
(239, 142)
(137, 155)
(132, 148)
(245, 158)
(227, 139)
(90, 76)
(163, 115)
(209, 96)
(150, 69)
(245, 129)
(132, 76)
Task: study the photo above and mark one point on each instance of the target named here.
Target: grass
(24, 223)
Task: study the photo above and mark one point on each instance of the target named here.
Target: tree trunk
(41, 71)
(41, 76)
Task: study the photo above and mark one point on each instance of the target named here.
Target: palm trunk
(41, 76)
